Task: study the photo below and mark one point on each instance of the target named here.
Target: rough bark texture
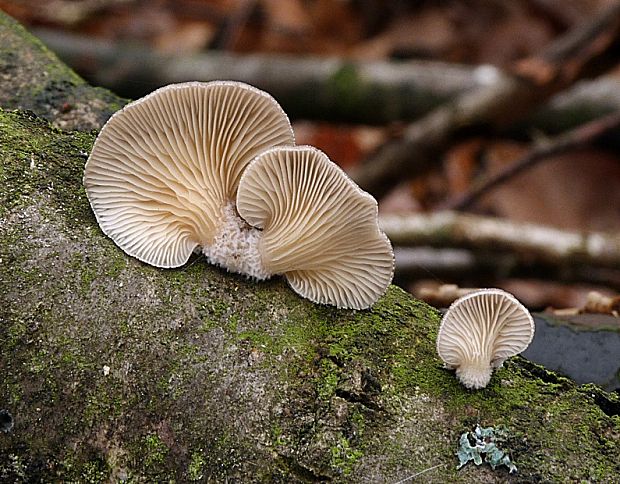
(113, 370)
(31, 77)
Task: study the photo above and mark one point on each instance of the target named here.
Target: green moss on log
(114, 370)
(34, 79)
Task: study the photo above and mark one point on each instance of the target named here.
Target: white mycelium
(235, 246)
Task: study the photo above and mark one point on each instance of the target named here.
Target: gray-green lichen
(114, 370)
(481, 445)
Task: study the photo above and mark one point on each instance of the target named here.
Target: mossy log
(33, 78)
(112, 370)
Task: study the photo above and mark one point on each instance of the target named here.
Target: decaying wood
(114, 371)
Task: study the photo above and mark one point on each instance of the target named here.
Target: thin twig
(575, 138)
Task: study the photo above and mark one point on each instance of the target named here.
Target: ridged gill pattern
(319, 228)
(486, 326)
(163, 167)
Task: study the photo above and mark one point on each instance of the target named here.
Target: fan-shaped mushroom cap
(319, 228)
(479, 331)
(163, 168)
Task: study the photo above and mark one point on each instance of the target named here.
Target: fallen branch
(397, 91)
(537, 242)
(511, 97)
(574, 139)
(587, 100)
(486, 267)
(310, 87)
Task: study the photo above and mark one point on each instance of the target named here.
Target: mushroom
(480, 331)
(166, 175)
(163, 173)
(319, 229)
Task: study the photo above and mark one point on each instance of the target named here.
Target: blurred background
(487, 129)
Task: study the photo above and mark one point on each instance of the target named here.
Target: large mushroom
(163, 173)
(166, 175)
(318, 227)
(480, 331)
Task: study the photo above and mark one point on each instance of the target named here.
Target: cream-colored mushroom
(166, 171)
(319, 228)
(163, 173)
(479, 331)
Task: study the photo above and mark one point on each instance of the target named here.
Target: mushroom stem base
(235, 246)
(474, 375)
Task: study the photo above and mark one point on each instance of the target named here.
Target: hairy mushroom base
(475, 373)
(235, 247)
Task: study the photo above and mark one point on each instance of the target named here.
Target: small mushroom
(480, 331)
(163, 173)
(319, 229)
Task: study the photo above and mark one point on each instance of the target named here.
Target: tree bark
(32, 78)
(112, 370)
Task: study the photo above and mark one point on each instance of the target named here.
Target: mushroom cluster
(480, 331)
(214, 166)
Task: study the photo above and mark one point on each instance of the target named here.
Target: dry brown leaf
(187, 37)
(290, 16)
(399, 200)
(428, 33)
(461, 163)
(518, 34)
(576, 190)
(345, 145)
